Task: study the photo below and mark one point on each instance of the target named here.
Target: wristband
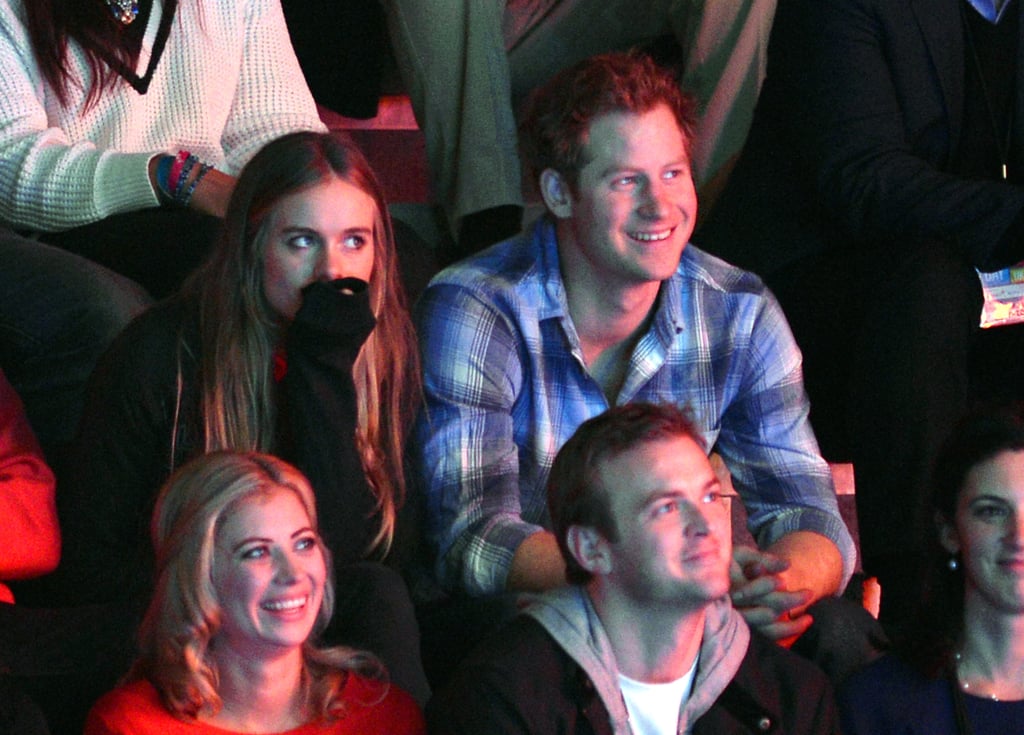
(186, 170)
(174, 178)
(163, 173)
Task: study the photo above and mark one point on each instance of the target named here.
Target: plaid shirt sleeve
(767, 441)
(465, 451)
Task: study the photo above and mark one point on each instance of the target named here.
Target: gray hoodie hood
(569, 617)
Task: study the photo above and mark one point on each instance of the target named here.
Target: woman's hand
(212, 194)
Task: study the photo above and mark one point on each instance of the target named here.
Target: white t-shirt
(654, 708)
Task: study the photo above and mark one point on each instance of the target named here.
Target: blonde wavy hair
(239, 331)
(183, 618)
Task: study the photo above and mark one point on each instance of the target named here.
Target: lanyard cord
(1002, 141)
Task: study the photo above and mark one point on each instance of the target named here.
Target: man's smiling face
(634, 206)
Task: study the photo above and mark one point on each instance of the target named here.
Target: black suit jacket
(853, 139)
(889, 115)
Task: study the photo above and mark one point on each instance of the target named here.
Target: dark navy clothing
(891, 698)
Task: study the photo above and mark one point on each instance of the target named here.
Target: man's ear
(948, 537)
(589, 548)
(555, 190)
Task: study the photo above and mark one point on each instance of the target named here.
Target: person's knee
(105, 307)
(843, 638)
(70, 313)
(52, 332)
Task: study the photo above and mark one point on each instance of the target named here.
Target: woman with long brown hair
(959, 669)
(123, 124)
(293, 338)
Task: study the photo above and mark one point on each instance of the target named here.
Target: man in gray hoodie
(645, 640)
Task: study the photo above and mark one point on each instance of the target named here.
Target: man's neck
(604, 315)
(650, 645)
(609, 320)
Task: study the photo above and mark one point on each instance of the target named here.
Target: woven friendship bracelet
(163, 178)
(174, 178)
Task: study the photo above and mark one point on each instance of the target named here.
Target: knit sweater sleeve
(226, 83)
(272, 97)
(48, 179)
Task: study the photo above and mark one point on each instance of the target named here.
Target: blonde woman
(242, 585)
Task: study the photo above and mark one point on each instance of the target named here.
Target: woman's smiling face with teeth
(635, 206)
(269, 573)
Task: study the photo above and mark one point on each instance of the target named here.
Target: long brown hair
(239, 331)
(53, 24)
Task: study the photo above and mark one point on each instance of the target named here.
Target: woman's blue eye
(306, 543)
(257, 552)
(712, 497)
(303, 242)
(987, 512)
(355, 242)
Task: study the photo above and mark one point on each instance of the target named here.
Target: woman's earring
(953, 564)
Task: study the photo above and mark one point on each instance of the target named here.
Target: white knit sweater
(227, 83)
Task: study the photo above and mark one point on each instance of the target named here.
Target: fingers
(776, 599)
(785, 632)
(759, 593)
(750, 592)
(783, 628)
(754, 563)
(743, 555)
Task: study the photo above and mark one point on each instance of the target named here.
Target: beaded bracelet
(186, 197)
(186, 170)
(172, 173)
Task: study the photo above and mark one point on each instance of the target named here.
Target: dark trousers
(65, 296)
(19, 715)
(63, 659)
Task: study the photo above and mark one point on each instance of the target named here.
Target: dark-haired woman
(123, 124)
(961, 670)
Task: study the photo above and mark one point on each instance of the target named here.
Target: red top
(29, 534)
(136, 709)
